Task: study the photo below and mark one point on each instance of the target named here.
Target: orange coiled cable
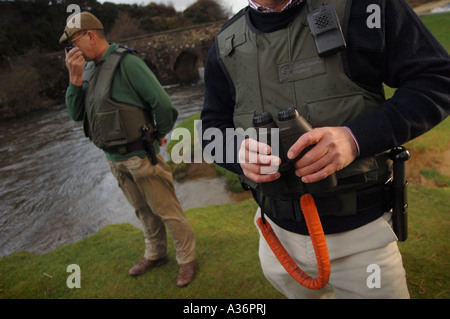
(318, 240)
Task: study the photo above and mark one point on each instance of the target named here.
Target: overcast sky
(180, 5)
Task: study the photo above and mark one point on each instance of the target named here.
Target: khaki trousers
(150, 190)
(365, 263)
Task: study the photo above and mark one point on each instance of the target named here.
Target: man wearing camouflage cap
(127, 113)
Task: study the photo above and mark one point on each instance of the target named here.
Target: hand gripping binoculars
(291, 126)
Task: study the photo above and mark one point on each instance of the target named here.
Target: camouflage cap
(80, 22)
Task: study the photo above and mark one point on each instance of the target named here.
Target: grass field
(227, 245)
(226, 248)
(439, 24)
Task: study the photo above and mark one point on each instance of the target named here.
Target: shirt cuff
(354, 138)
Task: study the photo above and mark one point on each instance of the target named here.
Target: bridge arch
(186, 66)
(174, 56)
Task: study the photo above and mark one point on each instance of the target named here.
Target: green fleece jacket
(133, 84)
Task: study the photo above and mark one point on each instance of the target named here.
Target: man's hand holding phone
(75, 64)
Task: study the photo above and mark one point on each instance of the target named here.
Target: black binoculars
(291, 126)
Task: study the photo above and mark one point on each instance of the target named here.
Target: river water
(56, 187)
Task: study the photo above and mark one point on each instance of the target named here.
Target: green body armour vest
(273, 71)
(109, 123)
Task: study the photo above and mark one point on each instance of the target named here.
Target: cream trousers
(365, 263)
(150, 190)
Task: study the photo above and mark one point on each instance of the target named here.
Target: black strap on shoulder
(344, 25)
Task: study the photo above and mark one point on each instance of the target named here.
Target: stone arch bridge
(175, 56)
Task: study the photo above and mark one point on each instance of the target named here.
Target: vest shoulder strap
(112, 62)
(236, 30)
(88, 72)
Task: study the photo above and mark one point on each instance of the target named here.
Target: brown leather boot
(186, 273)
(144, 265)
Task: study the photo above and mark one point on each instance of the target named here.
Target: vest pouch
(231, 43)
(120, 126)
(132, 120)
(361, 171)
(335, 110)
(109, 129)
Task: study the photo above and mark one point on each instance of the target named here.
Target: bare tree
(124, 27)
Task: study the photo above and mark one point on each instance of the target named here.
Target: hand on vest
(257, 163)
(335, 149)
(75, 64)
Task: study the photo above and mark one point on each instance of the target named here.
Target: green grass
(436, 140)
(189, 125)
(425, 254)
(230, 179)
(439, 25)
(438, 177)
(227, 251)
(181, 145)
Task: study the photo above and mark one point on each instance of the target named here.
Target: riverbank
(227, 251)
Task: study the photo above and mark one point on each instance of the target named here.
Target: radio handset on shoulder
(325, 28)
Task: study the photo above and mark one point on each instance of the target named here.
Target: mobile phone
(69, 47)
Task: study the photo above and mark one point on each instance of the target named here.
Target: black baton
(399, 156)
(148, 144)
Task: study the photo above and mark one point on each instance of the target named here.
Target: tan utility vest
(273, 71)
(109, 123)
